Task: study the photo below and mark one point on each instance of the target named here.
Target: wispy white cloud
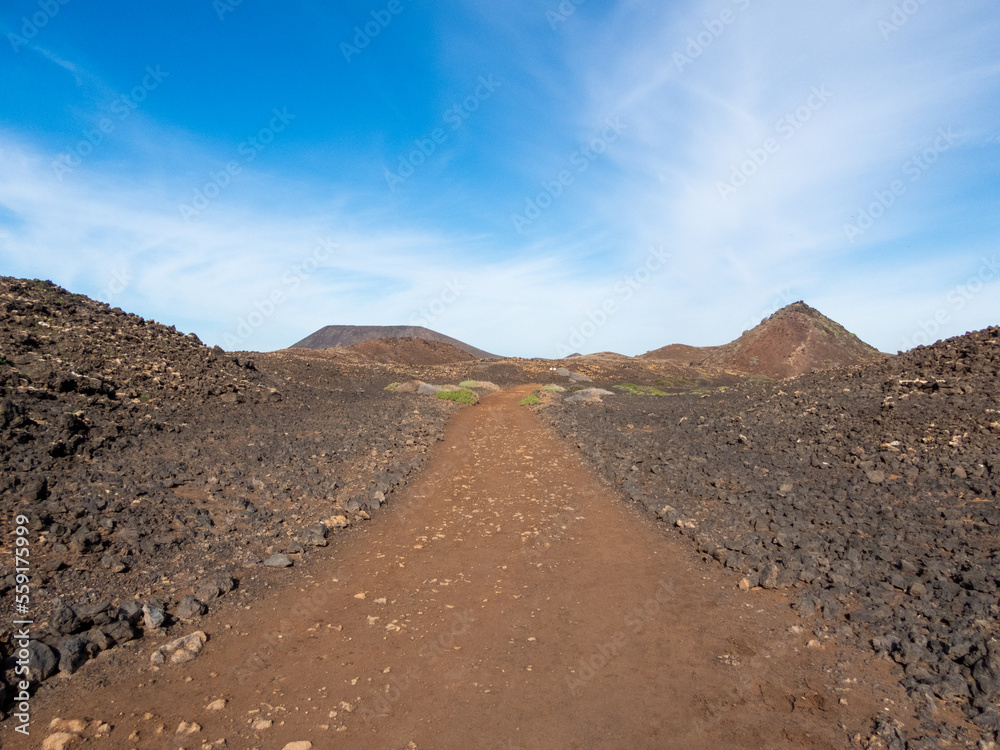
(695, 119)
(127, 244)
(113, 229)
(53, 57)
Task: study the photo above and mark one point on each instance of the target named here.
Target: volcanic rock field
(159, 475)
(872, 493)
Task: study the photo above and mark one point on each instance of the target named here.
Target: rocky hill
(680, 354)
(795, 340)
(343, 336)
(412, 352)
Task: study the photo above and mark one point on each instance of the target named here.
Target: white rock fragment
(180, 651)
(73, 726)
(59, 741)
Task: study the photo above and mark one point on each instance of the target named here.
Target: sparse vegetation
(463, 396)
(639, 390)
(774, 484)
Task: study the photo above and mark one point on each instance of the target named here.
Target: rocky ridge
(795, 340)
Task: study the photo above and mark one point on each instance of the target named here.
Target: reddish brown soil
(411, 352)
(344, 336)
(680, 353)
(509, 601)
(796, 340)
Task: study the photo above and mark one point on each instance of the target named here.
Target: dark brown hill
(412, 352)
(333, 336)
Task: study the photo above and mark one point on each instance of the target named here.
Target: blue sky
(533, 178)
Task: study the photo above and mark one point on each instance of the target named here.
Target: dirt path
(508, 600)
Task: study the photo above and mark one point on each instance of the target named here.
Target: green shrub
(469, 384)
(463, 396)
(530, 400)
(391, 387)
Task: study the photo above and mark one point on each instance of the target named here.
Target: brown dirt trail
(509, 601)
